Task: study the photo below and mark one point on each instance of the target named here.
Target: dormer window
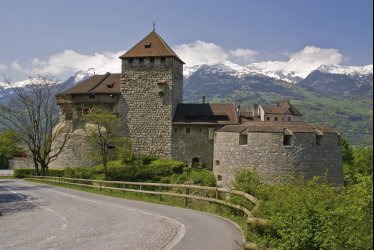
(110, 86)
(148, 46)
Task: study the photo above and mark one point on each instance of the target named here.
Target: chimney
(203, 99)
(255, 110)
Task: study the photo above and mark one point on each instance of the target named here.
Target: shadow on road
(11, 203)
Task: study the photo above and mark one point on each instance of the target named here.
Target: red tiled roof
(220, 114)
(97, 84)
(282, 108)
(151, 46)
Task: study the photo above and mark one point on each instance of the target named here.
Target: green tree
(100, 129)
(347, 152)
(9, 146)
(33, 114)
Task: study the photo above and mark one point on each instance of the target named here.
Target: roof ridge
(99, 82)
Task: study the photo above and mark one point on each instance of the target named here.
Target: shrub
(190, 176)
(23, 172)
(80, 172)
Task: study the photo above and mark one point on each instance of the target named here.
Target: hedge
(23, 172)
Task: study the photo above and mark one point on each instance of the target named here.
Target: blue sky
(42, 35)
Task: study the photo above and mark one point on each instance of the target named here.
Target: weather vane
(154, 26)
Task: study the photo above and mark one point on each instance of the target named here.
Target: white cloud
(2, 66)
(303, 62)
(69, 62)
(246, 55)
(200, 52)
(16, 66)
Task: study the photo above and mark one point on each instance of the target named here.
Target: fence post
(186, 191)
(160, 190)
(217, 193)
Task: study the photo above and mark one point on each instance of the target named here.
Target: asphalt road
(38, 216)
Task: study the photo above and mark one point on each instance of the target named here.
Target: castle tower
(151, 88)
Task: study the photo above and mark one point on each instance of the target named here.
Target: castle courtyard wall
(265, 153)
(198, 143)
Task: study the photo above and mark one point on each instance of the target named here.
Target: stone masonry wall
(195, 144)
(147, 113)
(265, 152)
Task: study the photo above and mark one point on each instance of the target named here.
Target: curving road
(38, 216)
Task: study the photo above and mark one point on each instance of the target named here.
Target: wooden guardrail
(162, 189)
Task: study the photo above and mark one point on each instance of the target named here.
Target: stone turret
(151, 88)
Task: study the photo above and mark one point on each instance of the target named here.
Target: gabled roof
(282, 108)
(205, 113)
(97, 84)
(151, 46)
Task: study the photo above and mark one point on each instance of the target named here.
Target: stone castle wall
(195, 144)
(265, 152)
(146, 112)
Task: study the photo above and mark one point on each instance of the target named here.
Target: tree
(100, 129)
(34, 116)
(8, 147)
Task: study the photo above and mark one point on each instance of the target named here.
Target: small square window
(268, 118)
(219, 177)
(287, 140)
(275, 118)
(243, 139)
(217, 162)
(188, 130)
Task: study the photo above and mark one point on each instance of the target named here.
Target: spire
(154, 26)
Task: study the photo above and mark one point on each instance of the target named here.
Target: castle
(148, 99)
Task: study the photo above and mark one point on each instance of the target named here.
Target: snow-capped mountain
(227, 67)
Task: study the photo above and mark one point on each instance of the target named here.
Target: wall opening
(188, 130)
(287, 140)
(217, 162)
(195, 162)
(268, 118)
(319, 140)
(219, 177)
(243, 139)
(175, 130)
(275, 118)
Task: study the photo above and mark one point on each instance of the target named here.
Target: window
(162, 60)
(200, 129)
(275, 118)
(268, 118)
(141, 61)
(289, 118)
(219, 177)
(319, 140)
(111, 147)
(287, 140)
(175, 130)
(131, 61)
(188, 130)
(217, 162)
(151, 61)
(91, 96)
(243, 139)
